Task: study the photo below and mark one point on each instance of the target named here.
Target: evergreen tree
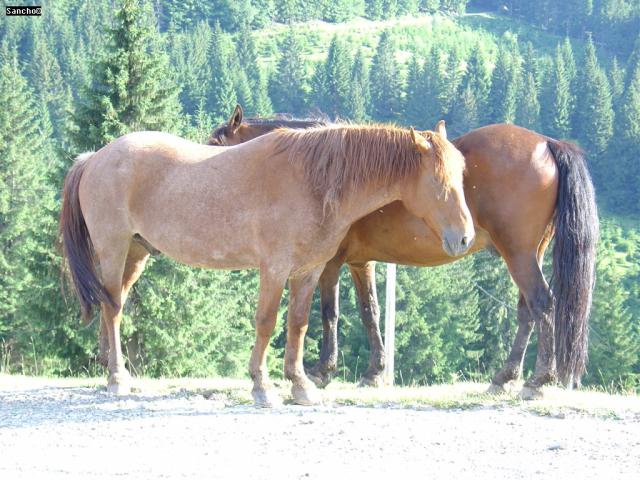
(359, 96)
(614, 344)
(190, 58)
(288, 85)
(528, 111)
(594, 113)
(436, 98)
(45, 74)
(478, 76)
(222, 95)
(27, 219)
(261, 101)
(332, 85)
(616, 80)
(132, 87)
(505, 85)
(556, 109)
(414, 99)
(386, 83)
(464, 116)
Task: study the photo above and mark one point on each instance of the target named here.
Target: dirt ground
(185, 429)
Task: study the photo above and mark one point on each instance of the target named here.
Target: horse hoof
(266, 398)
(119, 389)
(119, 384)
(495, 389)
(319, 379)
(531, 393)
(375, 381)
(306, 394)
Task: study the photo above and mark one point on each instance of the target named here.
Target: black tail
(574, 254)
(77, 246)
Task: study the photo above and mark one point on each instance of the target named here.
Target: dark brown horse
(281, 203)
(521, 188)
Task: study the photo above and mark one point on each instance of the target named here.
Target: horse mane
(340, 157)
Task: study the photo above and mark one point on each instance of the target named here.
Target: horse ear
(440, 128)
(421, 143)
(236, 117)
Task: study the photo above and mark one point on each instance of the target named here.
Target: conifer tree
(222, 96)
(556, 109)
(505, 85)
(27, 219)
(614, 344)
(261, 102)
(616, 80)
(464, 115)
(288, 85)
(414, 99)
(594, 113)
(478, 76)
(359, 96)
(132, 87)
(386, 83)
(334, 82)
(528, 111)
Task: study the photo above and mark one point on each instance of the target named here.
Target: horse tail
(574, 253)
(77, 246)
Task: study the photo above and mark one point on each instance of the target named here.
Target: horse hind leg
(526, 322)
(364, 278)
(120, 266)
(322, 373)
(526, 272)
(134, 265)
(513, 367)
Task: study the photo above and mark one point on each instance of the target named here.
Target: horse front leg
(364, 278)
(300, 296)
(322, 373)
(271, 287)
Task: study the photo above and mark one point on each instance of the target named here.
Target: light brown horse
(521, 188)
(281, 203)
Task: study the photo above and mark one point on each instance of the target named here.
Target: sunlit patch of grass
(557, 402)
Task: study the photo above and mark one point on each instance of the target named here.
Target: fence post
(390, 324)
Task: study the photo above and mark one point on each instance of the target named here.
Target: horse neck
(365, 200)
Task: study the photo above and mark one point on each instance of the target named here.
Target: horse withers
(218, 207)
(522, 189)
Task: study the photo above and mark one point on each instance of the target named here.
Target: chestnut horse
(521, 188)
(281, 203)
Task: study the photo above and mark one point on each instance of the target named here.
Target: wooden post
(390, 324)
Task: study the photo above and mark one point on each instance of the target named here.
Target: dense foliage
(89, 71)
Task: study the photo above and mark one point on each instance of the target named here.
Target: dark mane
(339, 157)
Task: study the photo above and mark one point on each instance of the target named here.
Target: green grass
(227, 392)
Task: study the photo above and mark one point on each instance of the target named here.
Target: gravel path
(49, 430)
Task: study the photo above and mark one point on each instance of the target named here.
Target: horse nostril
(465, 241)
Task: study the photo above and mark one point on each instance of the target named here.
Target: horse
(522, 189)
(281, 203)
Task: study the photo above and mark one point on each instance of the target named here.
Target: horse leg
(300, 296)
(134, 266)
(112, 254)
(103, 344)
(513, 367)
(322, 373)
(526, 271)
(271, 286)
(515, 361)
(364, 278)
